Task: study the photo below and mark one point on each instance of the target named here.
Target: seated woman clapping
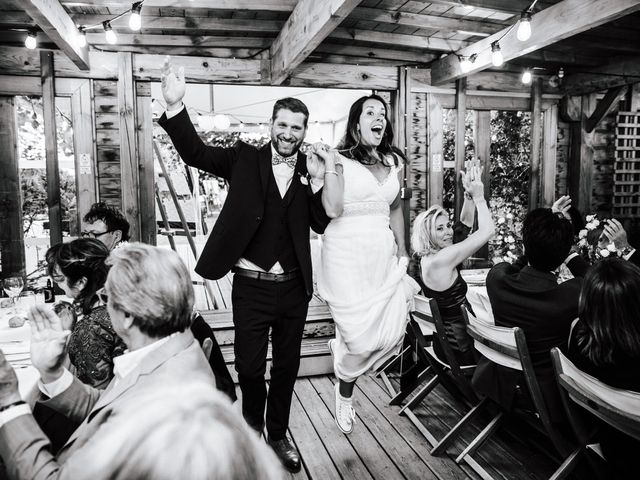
(442, 248)
(605, 343)
(79, 269)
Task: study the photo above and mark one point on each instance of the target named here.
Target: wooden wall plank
(11, 235)
(483, 154)
(549, 155)
(84, 149)
(128, 151)
(581, 157)
(144, 134)
(435, 158)
(536, 137)
(51, 148)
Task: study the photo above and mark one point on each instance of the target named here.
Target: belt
(269, 277)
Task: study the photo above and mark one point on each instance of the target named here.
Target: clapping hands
(173, 84)
(48, 342)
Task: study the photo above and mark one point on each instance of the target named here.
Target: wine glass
(12, 287)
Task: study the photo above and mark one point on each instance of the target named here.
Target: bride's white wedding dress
(365, 285)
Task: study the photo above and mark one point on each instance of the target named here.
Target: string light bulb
(526, 77)
(466, 63)
(31, 42)
(81, 38)
(496, 55)
(110, 35)
(135, 20)
(524, 26)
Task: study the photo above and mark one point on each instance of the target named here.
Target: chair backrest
(207, 346)
(508, 347)
(421, 313)
(618, 408)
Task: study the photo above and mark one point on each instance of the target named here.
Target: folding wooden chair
(618, 408)
(508, 347)
(455, 377)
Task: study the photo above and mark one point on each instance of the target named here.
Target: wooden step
(315, 358)
(319, 324)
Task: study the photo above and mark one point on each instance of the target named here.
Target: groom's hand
(173, 85)
(48, 342)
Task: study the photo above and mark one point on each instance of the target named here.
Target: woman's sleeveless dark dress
(449, 302)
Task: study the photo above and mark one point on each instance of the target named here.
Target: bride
(362, 273)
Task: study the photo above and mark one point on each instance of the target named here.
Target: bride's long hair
(350, 145)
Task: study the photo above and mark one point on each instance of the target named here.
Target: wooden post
(84, 149)
(483, 152)
(435, 160)
(536, 136)
(144, 132)
(549, 153)
(634, 97)
(51, 147)
(11, 234)
(581, 157)
(461, 111)
(128, 154)
(402, 119)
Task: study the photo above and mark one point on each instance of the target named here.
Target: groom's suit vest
(272, 241)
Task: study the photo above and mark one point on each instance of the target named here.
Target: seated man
(107, 224)
(527, 295)
(150, 301)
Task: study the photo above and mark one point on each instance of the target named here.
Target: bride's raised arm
(333, 190)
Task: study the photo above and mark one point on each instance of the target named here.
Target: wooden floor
(385, 445)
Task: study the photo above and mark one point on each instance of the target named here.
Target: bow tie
(276, 159)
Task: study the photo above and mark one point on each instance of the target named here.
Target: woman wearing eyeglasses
(79, 269)
(442, 248)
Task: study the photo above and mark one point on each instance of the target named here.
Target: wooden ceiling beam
(621, 72)
(201, 41)
(509, 6)
(549, 26)
(53, 19)
(376, 53)
(399, 40)
(269, 5)
(447, 24)
(184, 23)
(309, 24)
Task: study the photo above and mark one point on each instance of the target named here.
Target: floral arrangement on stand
(506, 244)
(593, 245)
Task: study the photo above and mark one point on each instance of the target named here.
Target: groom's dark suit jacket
(248, 170)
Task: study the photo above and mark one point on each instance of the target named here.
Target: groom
(262, 235)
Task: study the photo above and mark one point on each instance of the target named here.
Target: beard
(284, 148)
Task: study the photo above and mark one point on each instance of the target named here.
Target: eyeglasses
(93, 234)
(102, 295)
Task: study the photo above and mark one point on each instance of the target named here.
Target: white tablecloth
(477, 293)
(15, 345)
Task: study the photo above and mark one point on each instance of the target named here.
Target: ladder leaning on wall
(185, 227)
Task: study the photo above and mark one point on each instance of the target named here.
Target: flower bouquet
(593, 244)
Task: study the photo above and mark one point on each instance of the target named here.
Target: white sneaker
(345, 414)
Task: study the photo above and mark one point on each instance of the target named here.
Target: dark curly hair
(81, 258)
(111, 216)
(609, 327)
(351, 140)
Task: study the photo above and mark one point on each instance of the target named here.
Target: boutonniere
(304, 179)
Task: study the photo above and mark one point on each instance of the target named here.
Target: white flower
(612, 248)
(510, 239)
(501, 220)
(507, 259)
(509, 216)
(582, 234)
(591, 226)
(590, 217)
(496, 260)
(303, 180)
(499, 238)
(604, 252)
